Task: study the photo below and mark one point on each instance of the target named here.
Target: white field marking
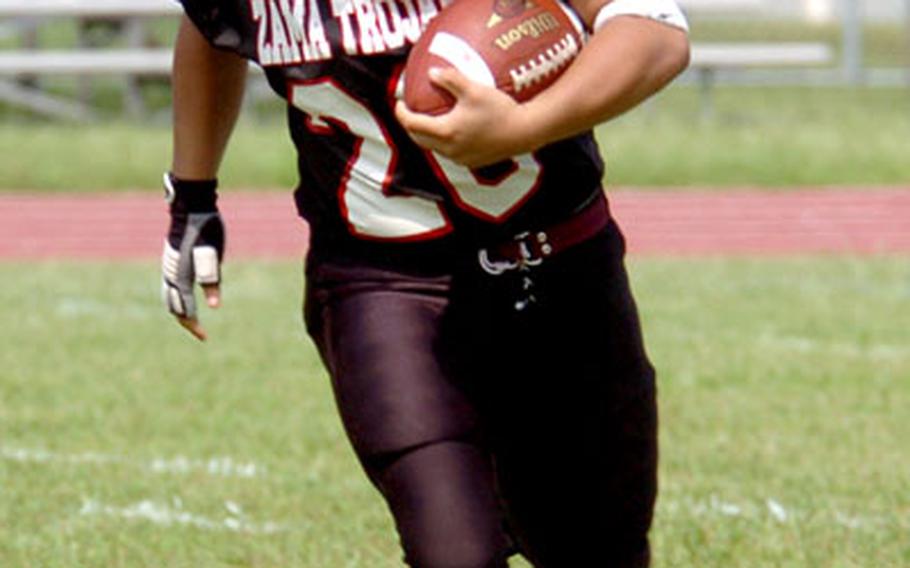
(216, 467)
(26, 455)
(714, 505)
(804, 344)
(849, 521)
(780, 513)
(221, 467)
(74, 308)
(169, 515)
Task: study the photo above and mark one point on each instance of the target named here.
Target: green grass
(784, 389)
(761, 136)
(121, 156)
(783, 382)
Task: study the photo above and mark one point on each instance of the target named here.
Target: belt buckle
(527, 256)
(494, 267)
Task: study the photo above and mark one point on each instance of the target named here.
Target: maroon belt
(532, 247)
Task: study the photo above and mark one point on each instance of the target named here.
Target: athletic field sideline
(124, 443)
(264, 224)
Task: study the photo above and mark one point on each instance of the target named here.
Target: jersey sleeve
(222, 24)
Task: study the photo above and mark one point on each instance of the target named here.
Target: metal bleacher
(709, 58)
(133, 61)
(137, 60)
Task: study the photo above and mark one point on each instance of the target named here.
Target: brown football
(518, 46)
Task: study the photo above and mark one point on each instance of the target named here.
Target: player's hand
(193, 250)
(485, 126)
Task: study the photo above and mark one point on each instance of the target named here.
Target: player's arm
(627, 59)
(208, 87)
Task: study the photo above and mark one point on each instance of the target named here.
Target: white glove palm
(193, 249)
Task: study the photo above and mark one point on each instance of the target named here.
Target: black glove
(195, 242)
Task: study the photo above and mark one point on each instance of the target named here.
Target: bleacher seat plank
(86, 62)
(86, 8)
(730, 55)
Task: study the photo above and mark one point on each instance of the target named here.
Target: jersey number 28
(363, 194)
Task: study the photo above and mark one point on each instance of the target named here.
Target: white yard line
(221, 467)
(235, 520)
(167, 515)
(81, 307)
(806, 344)
(216, 466)
(777, 511)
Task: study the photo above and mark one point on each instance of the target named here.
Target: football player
(465, 284)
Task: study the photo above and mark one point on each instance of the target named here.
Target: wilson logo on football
(550, 61)
(532, 27)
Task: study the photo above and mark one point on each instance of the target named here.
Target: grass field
(784, 390)
(761, 136)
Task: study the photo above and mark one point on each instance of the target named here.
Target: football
(517, 46)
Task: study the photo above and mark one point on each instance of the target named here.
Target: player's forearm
(625, 62)
(208, 87)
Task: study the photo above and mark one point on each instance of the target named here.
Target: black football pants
(490, 429)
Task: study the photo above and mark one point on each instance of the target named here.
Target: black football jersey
(362, 179)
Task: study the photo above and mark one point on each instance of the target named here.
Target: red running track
(694, 223)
